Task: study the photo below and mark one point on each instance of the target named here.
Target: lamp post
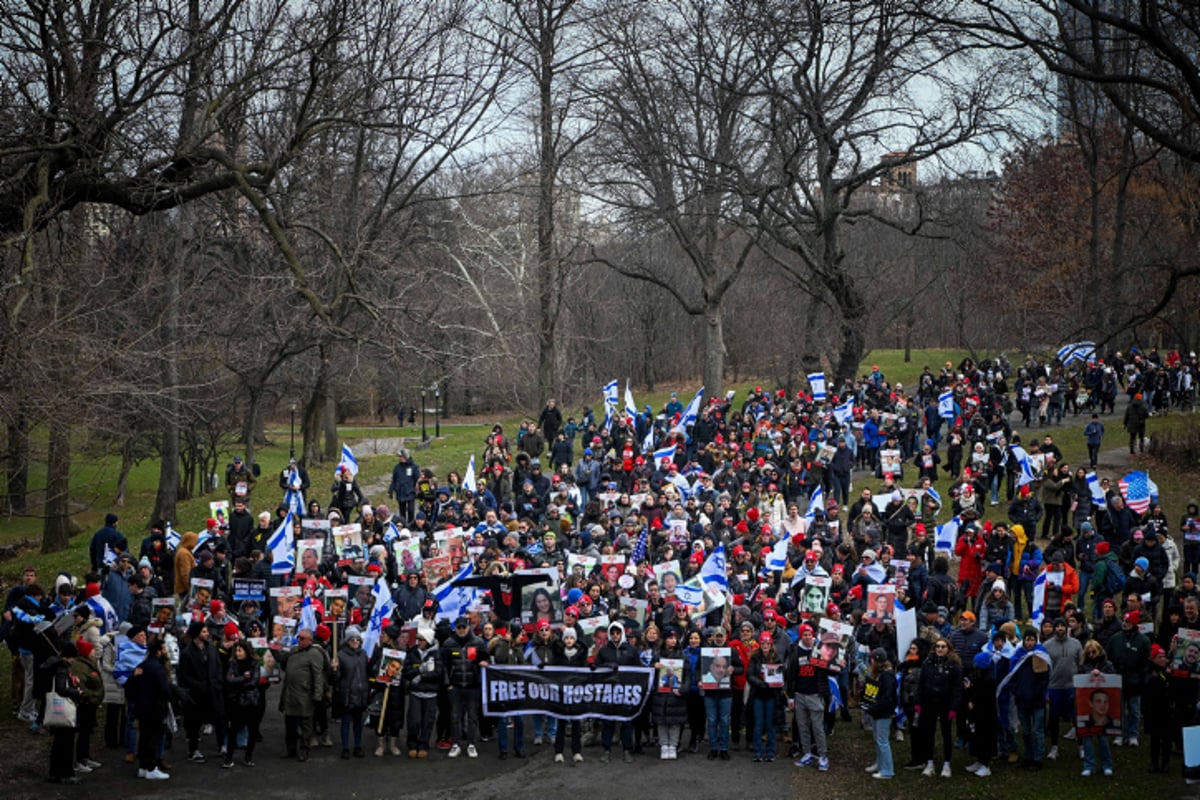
(292, 446)
(437, 407)
(424, 433)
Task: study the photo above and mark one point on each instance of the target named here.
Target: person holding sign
(670, 707)
(617, 653)
(765, 677)
(351, 690)
(719, 665)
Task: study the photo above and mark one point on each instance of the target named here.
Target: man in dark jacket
(1129, 652)
(409, 596)
(107, 537)
(464, 654)
(241, 531)
(404, 486)
(550, 420)
(1135, 422)
(1029, 682)
(200, 676)
(616, 653)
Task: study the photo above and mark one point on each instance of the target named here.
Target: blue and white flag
(103, 611)
(778, 560)
(946, 404)
(293, 497)
(1025, 476)
(348, 460)
(130, 656)
(816, 501)
(667, 452)
(648, 442)
(689, 595)
(1038, 608)
(469, 479)
(947, 535)
(845, 412)
(172, 537)
(932, 493)
(816, 382)
(712, 573)
(835, 694)
(631, 410)
(453, 601)
(391, 533)
(110, 555)
(690, 414)
(282, 545)
(308, 615)
(381, 615)
(1096, 491)
(609, 398)
(1079, 351)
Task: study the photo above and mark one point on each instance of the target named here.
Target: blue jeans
(1033, 733)
(717, 711)
(545, 726)
(883, 746)
(1131, 715)
(1084, 579)
(1089, 753)
(518, 737)
(764, 726)
(352, 719)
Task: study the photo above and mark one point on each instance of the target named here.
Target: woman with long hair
(879, 706)
(939, 695)
(243, 679)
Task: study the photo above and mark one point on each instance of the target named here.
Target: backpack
(942, 590)
(1114, 579)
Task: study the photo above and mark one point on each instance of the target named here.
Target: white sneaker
(81, 767)
(207, 730)
(1133, 742)
(664, 753)
(157, 775)
(1117, 742)
(1087, 773)
(558, 758)
(1053, 754)
(1108, 772)
(455, 752)
(899, 735)
(1069, 735)
(929, 770)
(537, 740)
(472, 752)
(871, 769)
(983, 772)
(946, 770)
(141, 772)
(973, 768)
(578, 757)
(881, 777)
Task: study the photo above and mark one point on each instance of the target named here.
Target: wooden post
(383, 708)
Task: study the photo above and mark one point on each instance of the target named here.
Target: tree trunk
(547, 257)
(18, 464)
(714, 350)
(333, 447)
(165, 502)
(56, 530)
(126, 467)
(250, 423)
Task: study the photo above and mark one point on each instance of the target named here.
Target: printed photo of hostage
(716, 668)
(200, 594)
(670, 674)
(881, 602)
(390, 666)
(1185, 654)
(336, 601)
(816, 595)
(835, 655)
(1098, 705)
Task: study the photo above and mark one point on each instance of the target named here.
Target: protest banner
(250, 589)
(566, 692)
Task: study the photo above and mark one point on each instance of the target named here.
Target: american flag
(639, 549)
(1136, 489)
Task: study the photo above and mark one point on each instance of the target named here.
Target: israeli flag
(946, 404)
(648, 442)
(110, 556)
(172, 537)
(103, 611)
(947, 535)
(1079, 351)
(631, 410)
(348, 460)
(308, 615)
(469, 479)
(1097, 493)
(689, 595)
(1026, 474)
(1038, 611)
(667, 452)
(816, 382)
(282, 545)
(777, 561)
(845, 412)
(391, 534)
(815, 501)
(381, 613)
(453, 601)
(835, 694)
(609, 393)
(932, 493)
(712, 573)
(690, 413)
(293, 497)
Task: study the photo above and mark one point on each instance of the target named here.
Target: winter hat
(352, 632)
(573, 596)
(231, 631)
(426, 636)
(216, 606)
(1103, 548)
(1156, 650)
(1133, 618)
(145, 562)
(86, 648)
(999, 584)
(1142, 562)
(879, 655)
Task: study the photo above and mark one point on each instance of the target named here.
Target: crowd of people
(832, 525)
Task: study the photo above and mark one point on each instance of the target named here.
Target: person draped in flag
(347, 498)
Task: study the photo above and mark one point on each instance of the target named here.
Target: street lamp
(424, 433)
(292, 446)
(437, 407)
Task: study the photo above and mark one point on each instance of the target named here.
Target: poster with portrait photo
(286, 600)
(163, 614)
(881, 602)
(1098, 704)
(845, 633)
(347, 543)
(219, 510)
(612, 568)
(337, 604)
(631, 608)
(668, 576)
(588, 626)
(308, 556)
(200, 594)
(670, 675)
(772, 674)
(361, 595)
(825, 454)
(677, 532)
(890, 461)
(438, 570)
(716, 667)
(901, 580)
(266, 658)
(283, 633)
(390, 667)
(541, 601)
(814, 595)
(1185, 655)
(450, 542)
(407, 551)
(315, 528)
(580, 566)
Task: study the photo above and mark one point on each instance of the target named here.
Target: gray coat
(351, 687)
